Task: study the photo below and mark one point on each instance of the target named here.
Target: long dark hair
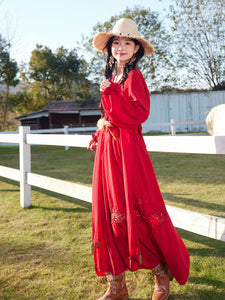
(131, 65)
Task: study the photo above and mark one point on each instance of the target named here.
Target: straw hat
(124, 28)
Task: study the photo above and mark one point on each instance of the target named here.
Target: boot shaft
(117, 289)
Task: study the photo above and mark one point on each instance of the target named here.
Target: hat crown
(125, 27)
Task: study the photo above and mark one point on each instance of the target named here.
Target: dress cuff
(113, 87)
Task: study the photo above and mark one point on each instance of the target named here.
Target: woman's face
(123, 49)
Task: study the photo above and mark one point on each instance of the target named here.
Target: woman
(131, 227)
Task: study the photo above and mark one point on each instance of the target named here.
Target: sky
(55, 23)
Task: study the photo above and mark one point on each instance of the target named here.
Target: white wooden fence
(211, 226)
(65, 130)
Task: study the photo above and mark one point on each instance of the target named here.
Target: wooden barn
(57, 114)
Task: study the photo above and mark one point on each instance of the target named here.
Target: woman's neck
(120, 69)
(119, 72)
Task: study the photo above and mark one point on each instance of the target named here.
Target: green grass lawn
(45, 251)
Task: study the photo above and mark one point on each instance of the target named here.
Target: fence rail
(12, 136)
(211, 226)
(147, 127)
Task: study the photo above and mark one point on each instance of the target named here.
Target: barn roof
(63, 106)
(72, 105)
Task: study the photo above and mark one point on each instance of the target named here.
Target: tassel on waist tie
(104, 124)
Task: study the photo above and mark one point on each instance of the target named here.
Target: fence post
(66, 131)
(25, 167)
(173, 127)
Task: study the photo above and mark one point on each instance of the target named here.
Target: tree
(199, 41)
(157, 68)
(8, 72)
(54, 76)
(3, 51)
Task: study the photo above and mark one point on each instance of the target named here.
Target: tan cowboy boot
(162, 282)
(117, 289)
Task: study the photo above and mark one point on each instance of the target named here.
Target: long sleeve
(130, 105)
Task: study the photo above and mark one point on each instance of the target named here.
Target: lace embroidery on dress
(117, 217)
(153, 220)
(157, 218)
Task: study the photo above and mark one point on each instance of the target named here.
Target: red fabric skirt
(131, 227)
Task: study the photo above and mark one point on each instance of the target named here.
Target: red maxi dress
(131, 227)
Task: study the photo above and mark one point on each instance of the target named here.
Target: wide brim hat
(123, 28)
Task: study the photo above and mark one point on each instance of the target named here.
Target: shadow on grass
(9, 190)
(73, 210)
(86, 206)
(9, 181)
(179, 198)
(176, 198)
(215, 248)
(206, 281)
(204, 252)
(200, 239)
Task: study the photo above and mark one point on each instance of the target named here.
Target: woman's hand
(105, 84)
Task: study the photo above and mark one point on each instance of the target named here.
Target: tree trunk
(5, 107)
